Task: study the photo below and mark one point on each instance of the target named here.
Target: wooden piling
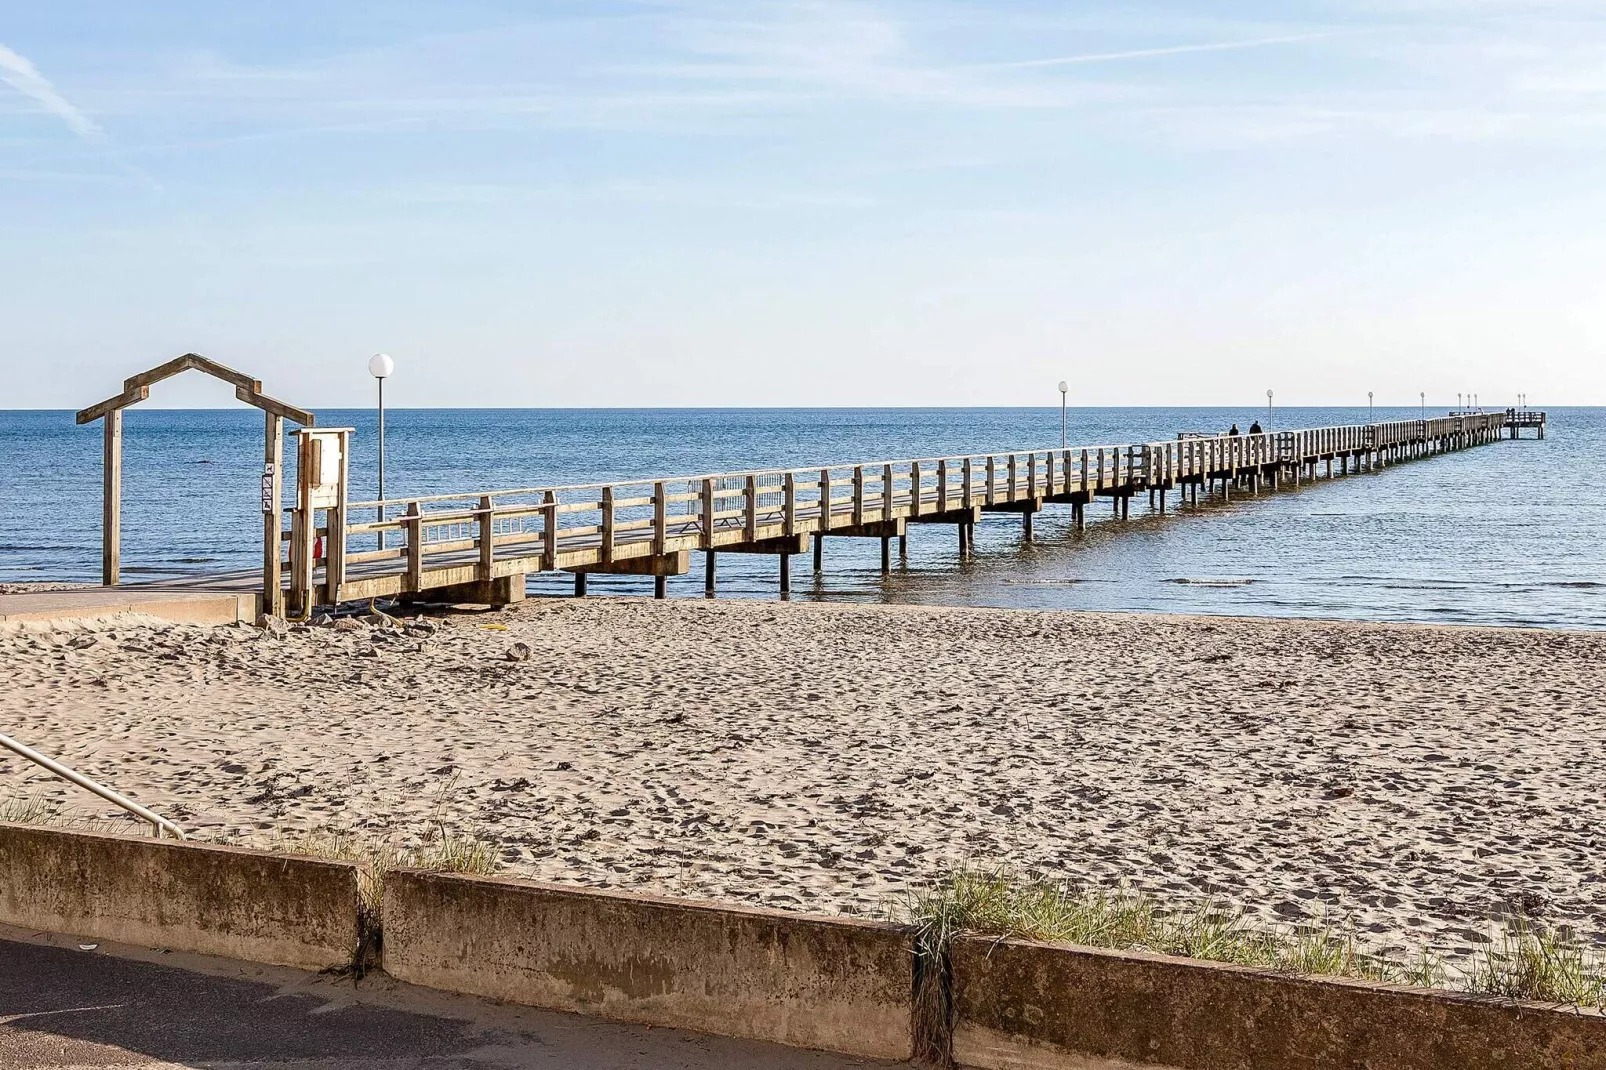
(111, 519)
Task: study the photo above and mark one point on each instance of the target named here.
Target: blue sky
(708, 203)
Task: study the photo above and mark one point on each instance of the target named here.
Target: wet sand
(1410, 781)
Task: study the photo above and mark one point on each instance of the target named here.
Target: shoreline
(829, 756)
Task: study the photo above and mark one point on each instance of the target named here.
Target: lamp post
(1458, 405)
(1268, 410)
(1064, 389)
(380, 366)
(1423, 397)
(1369, 407)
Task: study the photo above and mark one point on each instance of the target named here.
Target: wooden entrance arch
(136, 389)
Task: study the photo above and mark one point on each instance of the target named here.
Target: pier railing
(448, 539)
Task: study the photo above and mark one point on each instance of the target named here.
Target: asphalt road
(62, 1006)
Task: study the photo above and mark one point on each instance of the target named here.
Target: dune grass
(1526, 960)
(441, 850)
(38, 810)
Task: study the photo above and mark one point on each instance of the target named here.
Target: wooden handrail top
(874, 471)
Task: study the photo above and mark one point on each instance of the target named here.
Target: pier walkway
(479, 546)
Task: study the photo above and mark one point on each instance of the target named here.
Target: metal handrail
(158, 822)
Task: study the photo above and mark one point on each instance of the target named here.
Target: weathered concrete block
(163, 893)
(1021, 1004)
(790, 978)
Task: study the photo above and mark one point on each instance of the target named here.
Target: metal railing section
(157, 821)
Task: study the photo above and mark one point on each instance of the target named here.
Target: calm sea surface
(1503, 534)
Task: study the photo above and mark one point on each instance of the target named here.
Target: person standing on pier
(1254, 428)
(1233, 430)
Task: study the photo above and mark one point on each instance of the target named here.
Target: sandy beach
(1410, 781)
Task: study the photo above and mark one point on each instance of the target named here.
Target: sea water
(1508, 533)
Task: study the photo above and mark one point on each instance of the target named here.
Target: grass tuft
(1529, 961)
(443, 851)
(994, 903)
(39, 810)
(1525, 961)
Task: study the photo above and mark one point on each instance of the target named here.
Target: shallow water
(1502, 534)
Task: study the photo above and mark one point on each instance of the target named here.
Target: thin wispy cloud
(21, 75)
(1170, 50)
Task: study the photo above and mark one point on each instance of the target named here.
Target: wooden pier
(480, 546)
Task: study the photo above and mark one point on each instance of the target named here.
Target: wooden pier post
(709, 567)
(579, 584)
(273, 516)
(660, 586)
(786, 574)
(819, 552)
(111, 518)
(886, 554)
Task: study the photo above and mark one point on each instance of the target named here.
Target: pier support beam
(708, 573)
(579, 584)
(786, 575)
(658, 566)
(501, 591)
(886, 554)
(819, 554)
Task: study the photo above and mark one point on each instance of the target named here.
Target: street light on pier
(1268, 409)
(1423, 397)
(380, 366)
(1064, 390)
(1369, 406)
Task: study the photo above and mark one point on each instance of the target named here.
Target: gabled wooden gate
(136, 389)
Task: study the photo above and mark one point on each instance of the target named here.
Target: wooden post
(788, 505)
(111, 525)
(750, 504)
(967, 487)
(607, 525)
(914, 488)
(942, 486)
(579, 584)
(1026, 525)
(886, 554)
(660, 587)
(786, 575)
(858, 494)
(707, 503)
(819, 552)
(708, 573)
(488, 541)
(824, 524)
(549, 531)
(660, 521)
(415, 547)
(886, 492)
(273, 517)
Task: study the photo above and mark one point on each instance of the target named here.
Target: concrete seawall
(1020, 1004)
(223, 901)
(808, 981)
(804, 980)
